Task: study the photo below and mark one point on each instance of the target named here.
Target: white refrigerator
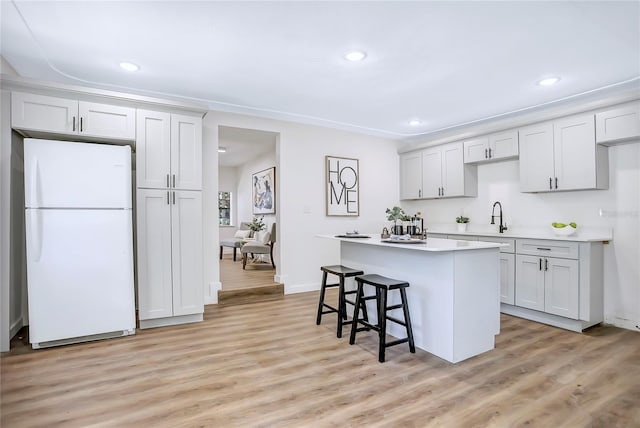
(79, 241)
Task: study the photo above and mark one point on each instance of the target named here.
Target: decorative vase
(397, 230)
(462, 227)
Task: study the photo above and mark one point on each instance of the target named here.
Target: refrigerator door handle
(35, 220)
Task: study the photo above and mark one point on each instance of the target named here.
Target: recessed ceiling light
(355, 55)
(129, 66)
(222, 149)
(548, 81)
(415, 122)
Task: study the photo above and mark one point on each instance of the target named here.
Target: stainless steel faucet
(502, 227)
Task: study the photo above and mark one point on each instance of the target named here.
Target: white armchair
(265, 246)
(236, 241)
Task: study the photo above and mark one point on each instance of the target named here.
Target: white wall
(5, 217)
(244, 188)
(300, 200)
(620, 203)
(6, 68)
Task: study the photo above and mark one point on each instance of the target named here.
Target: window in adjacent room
(224, 208)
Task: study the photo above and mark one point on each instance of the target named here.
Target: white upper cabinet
(186, 152)
(411, 175)
(432, 173)
(562, 155)
(493, 147)
(103, 120)
(45, 114)
(153, 149)
(437, 172)
(618, 125)
(169, 151)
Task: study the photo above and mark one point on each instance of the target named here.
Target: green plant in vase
(396, 214)
(257, 224)
(462, 223)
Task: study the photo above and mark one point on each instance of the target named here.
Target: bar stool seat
(382, 285)
(341, 272)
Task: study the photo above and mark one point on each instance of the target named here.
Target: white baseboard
(542, 317)
(212, 298)
(163, 322)
(301, 288)
(280, 279)
(623, 323)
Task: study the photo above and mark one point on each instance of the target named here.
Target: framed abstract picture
(264, 191)
(342, 184)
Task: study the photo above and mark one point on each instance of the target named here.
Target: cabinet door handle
(485, 154)
(74, 124)
(543, 249)
(168, 198)
(546, 264)
(419, 193)
(81, 124)
(167, 181)
(556, 182)
(550, 184)
(174, 181)
(174, 198)
(489, 152)
(539, 264)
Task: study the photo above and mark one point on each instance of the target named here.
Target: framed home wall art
(264, 191)
(342, 179)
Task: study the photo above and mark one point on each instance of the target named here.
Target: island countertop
(431, 244)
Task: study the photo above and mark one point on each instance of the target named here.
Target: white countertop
(583, 234)
(431, 244)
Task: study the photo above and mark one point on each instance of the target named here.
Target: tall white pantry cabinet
(169, 218)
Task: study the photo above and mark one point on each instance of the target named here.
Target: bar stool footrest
(398, 306)
(368, 324)
(396, 342)
(396, 320)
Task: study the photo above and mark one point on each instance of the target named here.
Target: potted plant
(256, 224)
(462, 223)
(394, 214)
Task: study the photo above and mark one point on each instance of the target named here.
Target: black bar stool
(341, 272)
(382, 285)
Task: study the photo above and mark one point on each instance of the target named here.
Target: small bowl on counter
(563, 231)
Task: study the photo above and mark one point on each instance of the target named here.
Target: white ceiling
(445, 63)
(243, 145)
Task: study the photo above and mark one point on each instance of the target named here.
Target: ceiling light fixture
(355, 56)
(222, 149)
(548, 81)
(415, 122)
(129, 66)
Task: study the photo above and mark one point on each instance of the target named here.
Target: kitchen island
(454, 293)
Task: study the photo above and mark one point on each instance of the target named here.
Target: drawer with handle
(545, 248)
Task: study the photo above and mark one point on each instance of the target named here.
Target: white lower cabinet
(507, 278)
(547, 284)
(170, 278)
(560, 283)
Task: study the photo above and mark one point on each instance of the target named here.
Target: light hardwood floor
(233, 277)
(268, 365)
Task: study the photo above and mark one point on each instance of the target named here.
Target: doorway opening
(242, 154)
